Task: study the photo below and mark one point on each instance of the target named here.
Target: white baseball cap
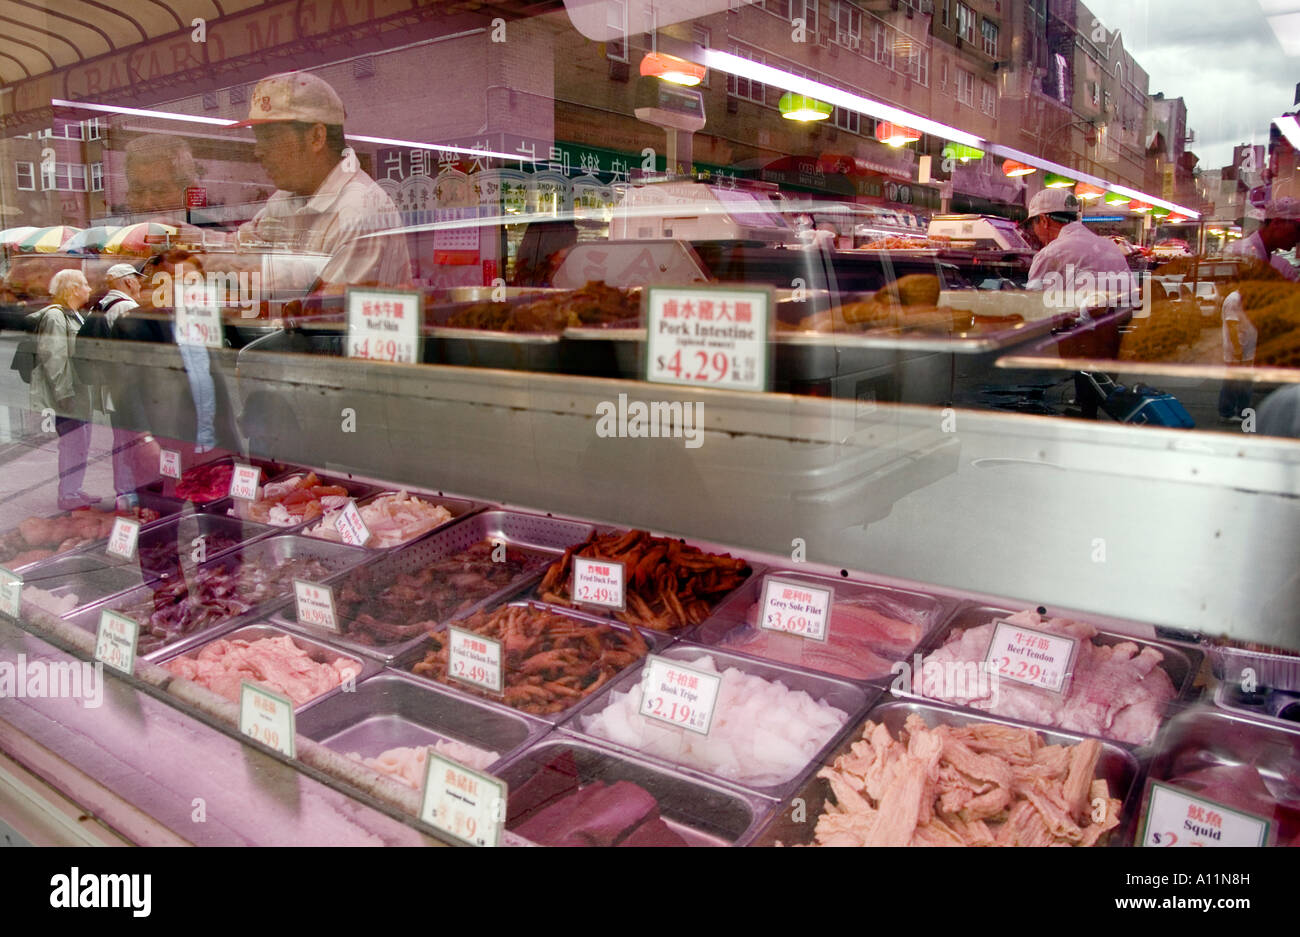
(1285, 208)
(298, 96)
(1054, 201)
(117, 271)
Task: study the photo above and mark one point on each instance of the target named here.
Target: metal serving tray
(847, 697)
(269, 552)
(1116, 764)
(544, 537)
(487, 348)
(1276, 671)
(167, 486)
(392, 710)
(459, 507)
(1207, 738)
(728, 628)
(655, 642)
(704, 813)
(1281, 707)
(1181, 662)
(169, 544)
(89, 577)
(321, 653)
(237, 507)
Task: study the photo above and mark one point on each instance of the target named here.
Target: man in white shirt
(324, 202)
(1279, 232)
(123, 282)
(1076, 264)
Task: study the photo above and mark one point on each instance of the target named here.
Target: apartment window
(947, 12)
(616, 20)
(238, 95)
(97, 177)
(93, 129)
(702, 37)
(965, 87)
(965, 22)
(943, 75)
(988, 99)
(807, 11)
(990, 34)
(26, 176)
(63, 177)
(847, 120)
(780, 7)
(918, 66)
(846, 20)
(740, 87)
(68, 129)
(882, 45)
(209, 100)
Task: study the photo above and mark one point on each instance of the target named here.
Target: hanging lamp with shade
(803, 108)
(961, 152)
(1088, 192)
(896, 135)
(1013, 169)
(672, 69)
(1054, 180)
(1114, 198)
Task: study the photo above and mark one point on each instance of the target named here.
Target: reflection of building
(56, 172)
(1172, 166)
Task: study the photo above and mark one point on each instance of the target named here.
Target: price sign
(198, 324)
(123, 539)
(796, 608)
(243, 482)
(1176, 818)
(678, 695)
(169, 463)
(351, 526)
(474, 659)
(115, 641)
(598, 582)
(266, 717)
(384, 325)
(708, 337)
(468, 804)
(1035, 658)
(315, 605)
(11, 587)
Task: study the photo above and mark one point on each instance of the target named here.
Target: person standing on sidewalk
(123, 296)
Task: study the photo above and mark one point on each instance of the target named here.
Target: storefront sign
(196, 196)
(598, 582)
(796, 608)
(1035, 658)
(384, 325)
(465, 803)
(115, 641)
(11, 587)
(679, 695)
(474, 659)
(169, 463)
(123, 538)
(1177, 818)
(351, 526)
(243, 482)
(706, 337)
(315, 605)
(267, 717)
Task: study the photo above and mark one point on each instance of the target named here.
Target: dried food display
(593, 304)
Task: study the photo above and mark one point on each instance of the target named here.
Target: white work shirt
(1253, 246)
(346, 205)
(124, 305)
(1084, 269)
(1246, 331)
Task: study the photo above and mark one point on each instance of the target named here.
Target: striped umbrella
(90, 241)
(11, 236)
(145, 237)
(47, 240)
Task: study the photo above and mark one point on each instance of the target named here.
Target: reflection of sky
(1220, 56)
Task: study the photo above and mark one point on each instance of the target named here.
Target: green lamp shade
(961, 151)
(801, 107)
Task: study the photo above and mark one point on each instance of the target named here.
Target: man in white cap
(123, 282)
(324, 202)
(1279, 232)
(1075, 259)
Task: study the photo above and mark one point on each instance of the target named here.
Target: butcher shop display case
(769, 423)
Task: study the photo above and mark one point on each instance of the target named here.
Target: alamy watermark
(954, 680)
(190, 288)
(38, 679)
(659, 419)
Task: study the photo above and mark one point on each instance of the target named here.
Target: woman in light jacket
(54, 386)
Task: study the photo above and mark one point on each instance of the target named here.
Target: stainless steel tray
(704, 813)
(239, 508)
(488, 348)
(167, 486)
(850, 698)
(169, 544)
(1116, 764)
(1272, 670)
(458, 507)
(90, 578)
(535, 534)
(655, 642)
(1181, 662)
(728, 627)
(1207, 738)
(321, 653)
(1274, 706)
(391, 710)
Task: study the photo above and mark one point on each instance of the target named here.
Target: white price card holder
(123, 538)
(199, 324)
(462, 802)
(475, 660)
(243, 482)
(1175, 817)
(1035, 658)
(314, 604)
(600, 583)
(169, 463)
(719, 337)
(796, 609)
(351, 526)
(267, 717)
(11, 589)
(384, 325)
(679, 695)
(116, 641)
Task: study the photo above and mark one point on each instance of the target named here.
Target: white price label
(708, 337)
(11, 588)
(1036, 658)
(468, 804)
(474, 659)
(198, 324)
(796, 608)
(115, 641)
(123, 539)
(384, 325)
(351, 526)
(315, 604)
(679, 695)
(169, 463)
(267, 717)
(243, 482)
(1177, 818)
(599, 582)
